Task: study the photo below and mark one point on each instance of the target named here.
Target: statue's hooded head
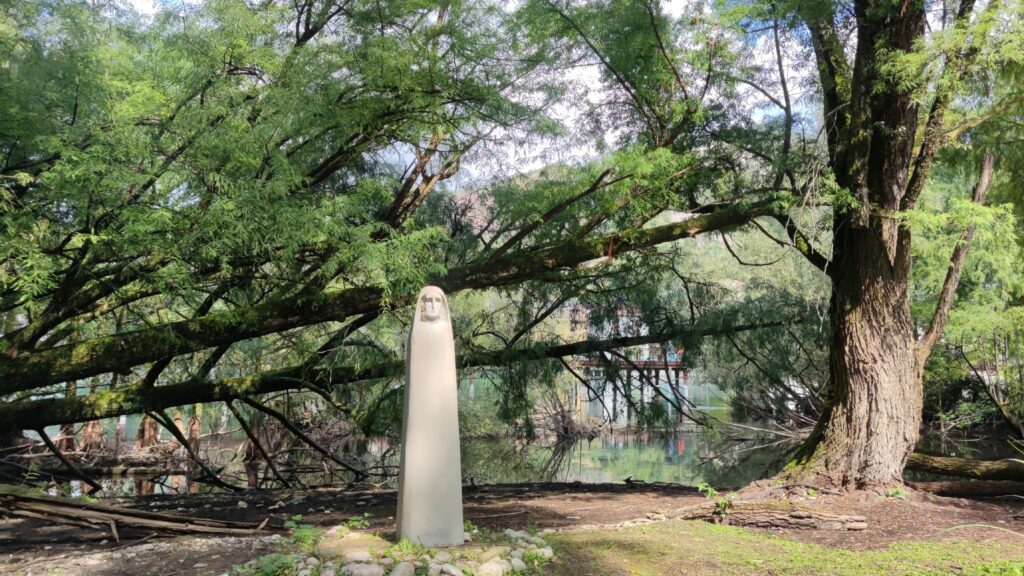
(432, 305)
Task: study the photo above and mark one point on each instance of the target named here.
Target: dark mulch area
(559, 506)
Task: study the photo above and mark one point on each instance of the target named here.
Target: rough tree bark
(147, 435)
(872, 418)
(871, 421)
(195, 425)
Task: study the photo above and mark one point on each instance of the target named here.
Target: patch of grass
(534, 559)
(698, 549)
(896, 492)
(406, 547)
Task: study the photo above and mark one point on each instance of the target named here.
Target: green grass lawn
(697, 548)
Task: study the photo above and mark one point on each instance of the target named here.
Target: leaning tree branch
(953, 72)
(166, 422)
(956, 264)
(29, 414)
(94, 487)
(360, 474)
(27, 370)
(259, 446)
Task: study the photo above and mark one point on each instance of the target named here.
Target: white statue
(430, 473)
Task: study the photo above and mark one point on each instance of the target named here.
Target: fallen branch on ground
(966, 467)
(769, 514)
(973, 489)
(26, 503)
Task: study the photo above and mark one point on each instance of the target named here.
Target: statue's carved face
(431, 308)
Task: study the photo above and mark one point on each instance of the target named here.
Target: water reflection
(678, 457)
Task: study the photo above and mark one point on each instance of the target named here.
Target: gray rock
(385, 561)
(490, 568)
(305, 572)
(357, 569)
(403, 569)
(515, 534)
(358, 556)
(328, 571)
(494, 552)
(518, 565)
(443, 556)
(433, 569)
(312, 562)
(546, 552)
(450, 570)
(517, 553)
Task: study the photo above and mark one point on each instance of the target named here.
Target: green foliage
(406, 547)
(896, 493)
(534, 558)
(708, 492)
(233, 157)
(304, 537)
(358, 522)
(723, 504)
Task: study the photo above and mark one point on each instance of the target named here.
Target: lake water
(725, 456)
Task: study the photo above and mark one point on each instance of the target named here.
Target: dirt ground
(34, 547)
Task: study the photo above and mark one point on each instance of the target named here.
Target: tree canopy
(233, 198)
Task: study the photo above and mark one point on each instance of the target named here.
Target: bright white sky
(145, 6)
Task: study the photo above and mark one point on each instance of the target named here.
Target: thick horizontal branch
(31, 414)
(28, 370)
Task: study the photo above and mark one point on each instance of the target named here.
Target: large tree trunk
(878, 155)
(871, 422)
(92, 438)
(147, 435)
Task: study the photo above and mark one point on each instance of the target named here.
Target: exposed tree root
(26, 503)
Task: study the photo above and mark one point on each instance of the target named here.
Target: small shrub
(405, 547)
(722, 504)
(896, 492)
(358, 522)
(303, 536)
(706, 489)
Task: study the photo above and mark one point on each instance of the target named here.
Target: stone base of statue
(430, 474)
